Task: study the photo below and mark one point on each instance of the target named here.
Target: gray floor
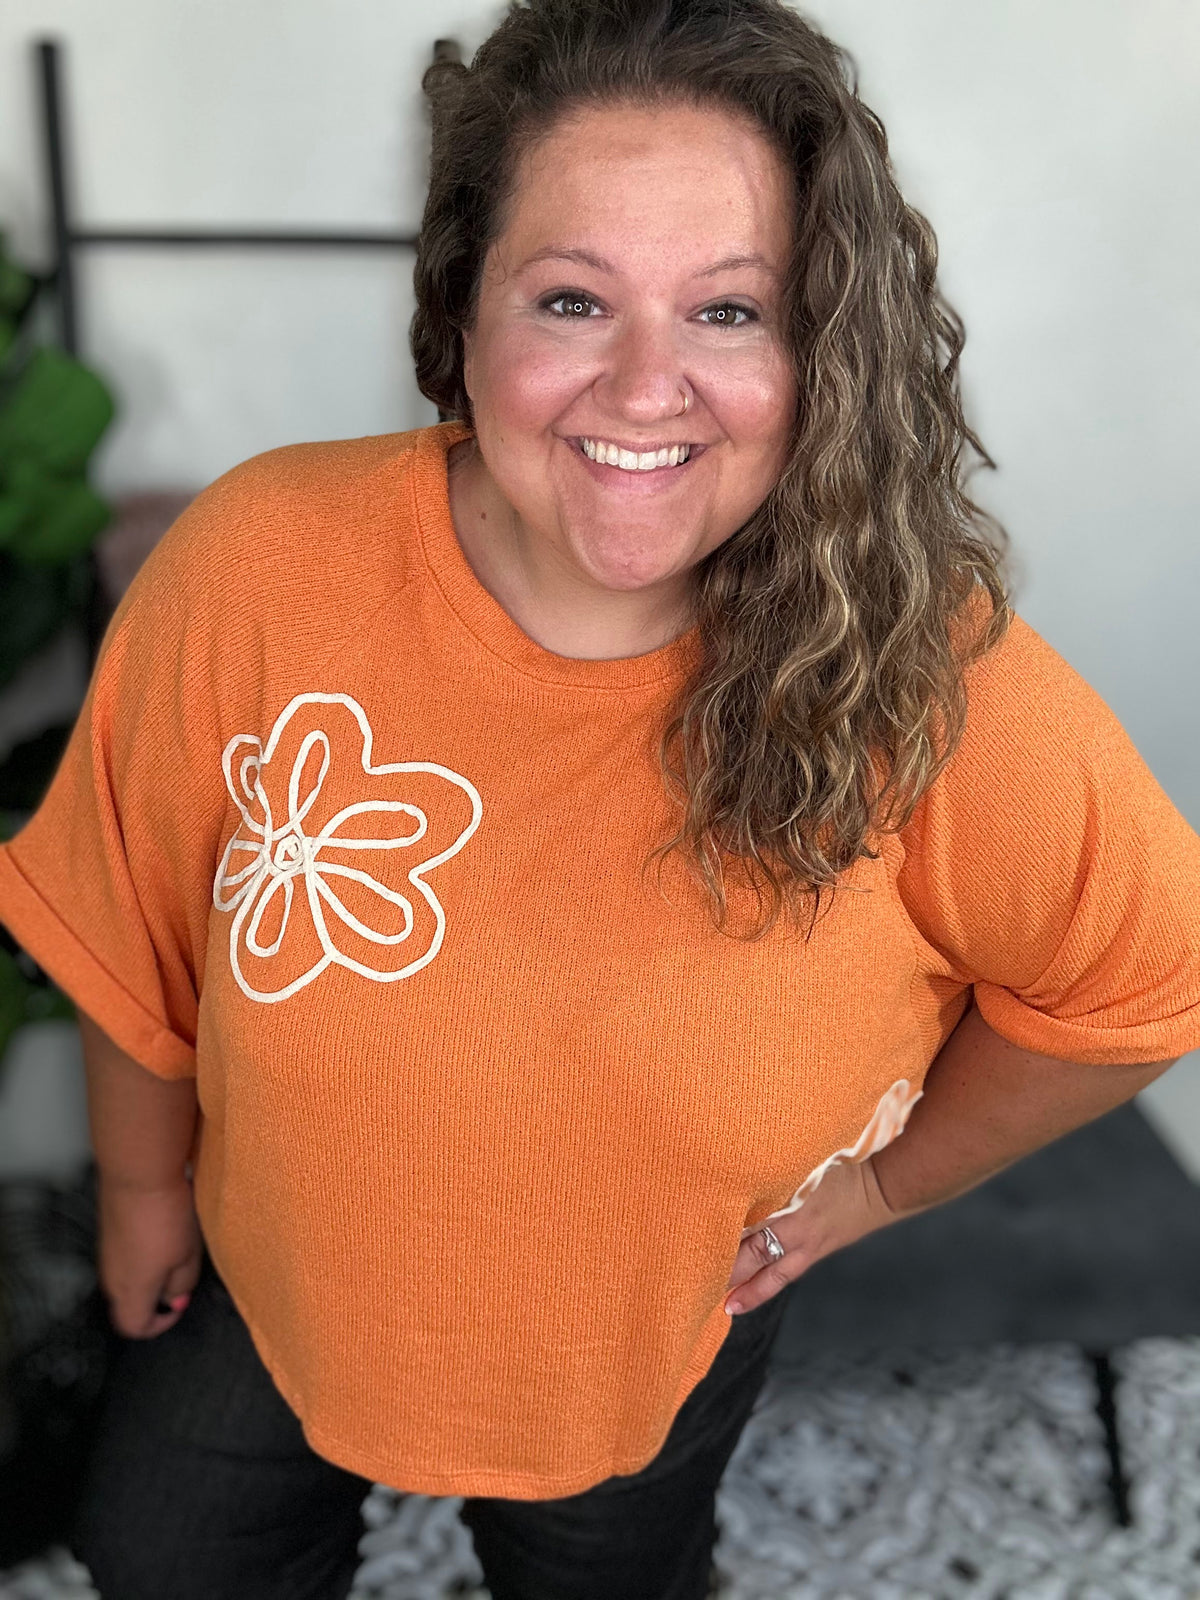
(975, 1475)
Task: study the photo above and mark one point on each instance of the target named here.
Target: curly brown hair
(830, 691)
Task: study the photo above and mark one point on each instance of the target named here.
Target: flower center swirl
(291, 855)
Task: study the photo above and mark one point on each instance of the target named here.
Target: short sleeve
(109, 883)
(1051, 871)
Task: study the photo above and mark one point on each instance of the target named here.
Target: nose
(643, 381)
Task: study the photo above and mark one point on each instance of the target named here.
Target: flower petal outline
(285, 853)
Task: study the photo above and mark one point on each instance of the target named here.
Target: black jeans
(201, 1485)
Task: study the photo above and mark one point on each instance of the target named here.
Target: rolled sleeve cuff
(57, 949)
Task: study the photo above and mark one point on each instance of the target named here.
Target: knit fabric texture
(485, 1108)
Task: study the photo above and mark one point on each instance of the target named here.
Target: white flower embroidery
(282, 854)
(887, 1123)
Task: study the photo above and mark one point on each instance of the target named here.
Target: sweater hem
(487, 1484)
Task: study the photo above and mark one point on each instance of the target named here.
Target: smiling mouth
(606, 454)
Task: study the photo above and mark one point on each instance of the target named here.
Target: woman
(520, 876)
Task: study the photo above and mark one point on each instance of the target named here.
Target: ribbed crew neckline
(486, 619)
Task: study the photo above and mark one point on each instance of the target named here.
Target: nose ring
(687, 400)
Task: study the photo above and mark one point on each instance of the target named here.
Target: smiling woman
(697, 219)
(472, 1127)
(577, 388)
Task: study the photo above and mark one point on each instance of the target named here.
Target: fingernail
(733, 1307)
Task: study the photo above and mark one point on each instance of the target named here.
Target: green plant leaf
(25, 494)
(14, 513)
(16, 287)
(64, 526)
(55, 414)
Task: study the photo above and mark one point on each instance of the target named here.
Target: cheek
(755, 407)
(756, 400)
(529, 380)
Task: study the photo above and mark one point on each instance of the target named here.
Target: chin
(631, 569)
(630, 577)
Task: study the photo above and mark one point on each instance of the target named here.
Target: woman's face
(642, 263)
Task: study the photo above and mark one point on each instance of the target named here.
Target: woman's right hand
(150, 1251)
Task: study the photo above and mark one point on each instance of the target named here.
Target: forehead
(679, 179)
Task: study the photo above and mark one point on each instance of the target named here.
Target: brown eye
(726, 314)
(574, 304)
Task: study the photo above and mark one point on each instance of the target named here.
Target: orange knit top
(485, 1110)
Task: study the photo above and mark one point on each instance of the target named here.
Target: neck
(551, 602)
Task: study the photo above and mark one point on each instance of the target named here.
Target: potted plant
(53, 412)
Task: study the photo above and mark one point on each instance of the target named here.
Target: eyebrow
(585, 258)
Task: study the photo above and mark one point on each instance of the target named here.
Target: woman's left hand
(846, 1205)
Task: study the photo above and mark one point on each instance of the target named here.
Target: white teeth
(632, 460)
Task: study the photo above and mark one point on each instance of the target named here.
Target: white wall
(1053, 145)
(306, 114)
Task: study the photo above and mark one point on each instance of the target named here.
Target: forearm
(142, 1126)
(986, 1103)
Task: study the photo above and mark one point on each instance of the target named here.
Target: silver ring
(774, 1248)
